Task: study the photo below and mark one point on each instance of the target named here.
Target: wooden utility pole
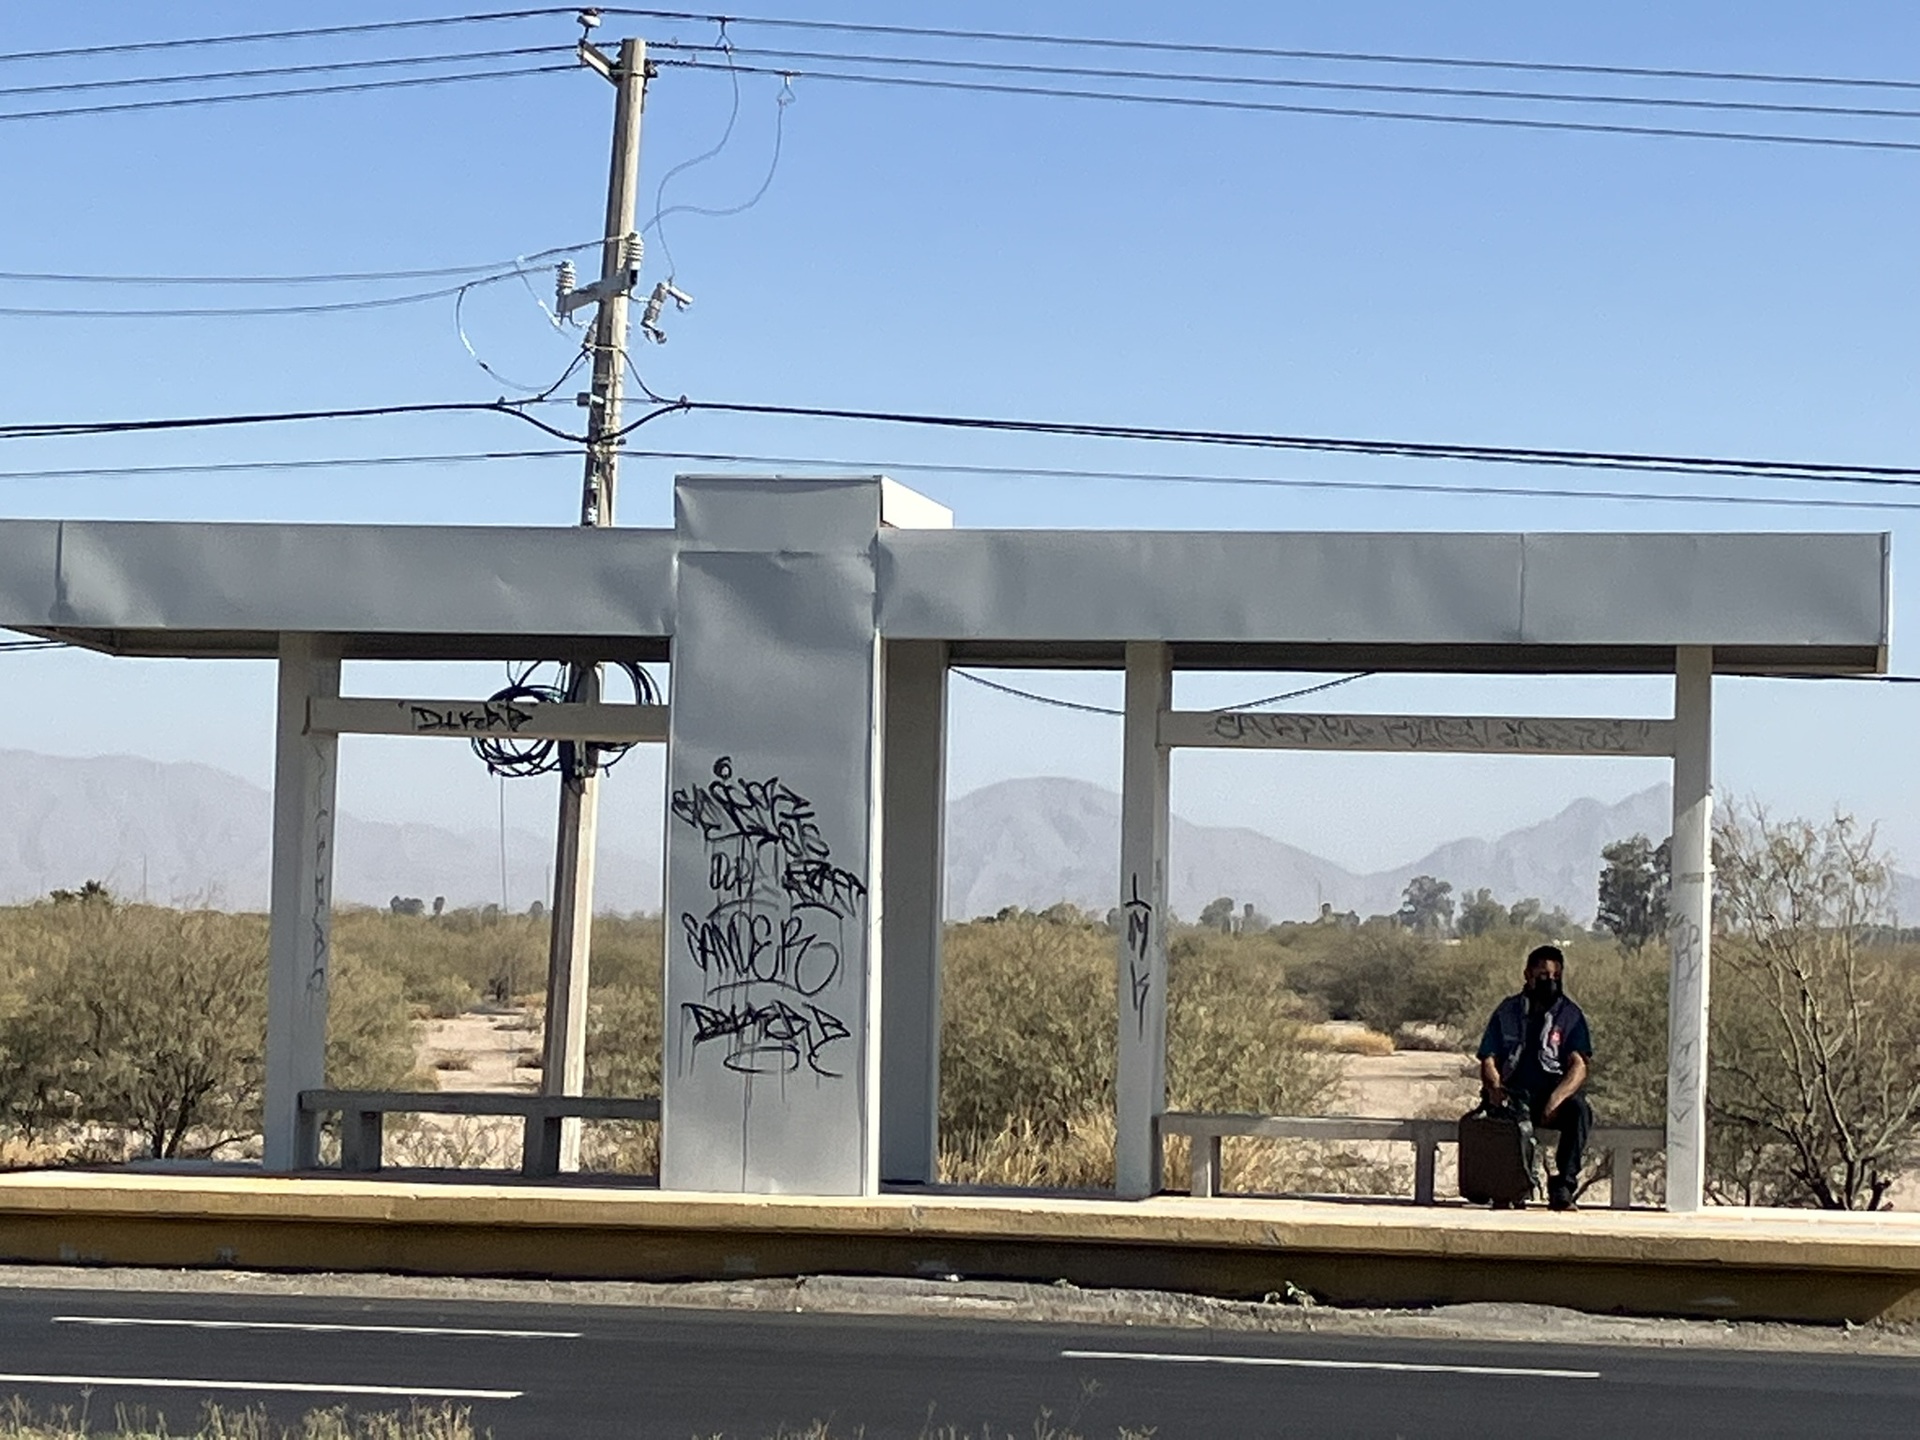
(564, 1057)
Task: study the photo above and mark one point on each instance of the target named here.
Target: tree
(1633, 890)
(1218, 914)
(93, 892)
(1427, 905)
(1481, 913)
(1815, 1056)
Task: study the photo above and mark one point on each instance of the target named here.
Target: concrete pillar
(1140, 1089)
(300, 934)
(771, 1074)
(913, 860)
(1690, 912)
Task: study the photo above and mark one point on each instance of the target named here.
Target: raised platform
(1726, 1263)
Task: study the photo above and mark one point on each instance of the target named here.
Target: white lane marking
(1394, 1366)
(316, 1327)
(291, 1387)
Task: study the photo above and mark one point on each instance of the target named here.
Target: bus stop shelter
(810, 624)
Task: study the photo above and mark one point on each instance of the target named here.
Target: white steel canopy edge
(1306, 600)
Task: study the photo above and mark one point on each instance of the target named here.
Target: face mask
(1544, 990)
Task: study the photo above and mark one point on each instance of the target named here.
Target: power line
(912, 62)
(67, 429)
(343, 277)
(239, 467)
(1262, 52)
(259, 36)
(213, 312)
(1059, 703)
(1351, 112)
(354, 88)
(267, 72)
(1777, 470)
(1519, 492)
(1403, 449)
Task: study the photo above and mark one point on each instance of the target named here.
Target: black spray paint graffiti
(321, 918)
(487, 717)
(1139, 915)
(769, 945)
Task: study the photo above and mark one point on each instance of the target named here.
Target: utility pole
(564, 1060)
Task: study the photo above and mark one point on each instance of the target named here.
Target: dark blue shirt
(1532, 1048)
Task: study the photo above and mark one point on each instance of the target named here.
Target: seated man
(1534, 1057)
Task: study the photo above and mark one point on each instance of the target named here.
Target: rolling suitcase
(1496, 1156)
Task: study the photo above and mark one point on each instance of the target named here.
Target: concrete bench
(363, 1114)
(1426, 1137)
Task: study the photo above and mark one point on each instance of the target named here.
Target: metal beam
(1411, 734)
(484, 719)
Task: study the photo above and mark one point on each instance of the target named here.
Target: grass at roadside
(19, 1421)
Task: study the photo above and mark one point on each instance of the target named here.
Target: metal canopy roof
(1511, 603)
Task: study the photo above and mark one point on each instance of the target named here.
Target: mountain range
(188, 832)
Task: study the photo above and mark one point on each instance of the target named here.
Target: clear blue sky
(1012, 256)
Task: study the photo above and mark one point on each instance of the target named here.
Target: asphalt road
(558, 1370)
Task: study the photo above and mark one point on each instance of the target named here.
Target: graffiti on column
(321, 918)
(769, 942)
(1139, 918)
(1684, 1063)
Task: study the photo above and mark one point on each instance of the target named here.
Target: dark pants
(1573, 1120)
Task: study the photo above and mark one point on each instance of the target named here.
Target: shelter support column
(1141, 1084)
(912, 904)
(1690, 911)
(300, 938)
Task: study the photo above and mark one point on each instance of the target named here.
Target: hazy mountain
(186, 832)
(1032, 842)
(190, 832)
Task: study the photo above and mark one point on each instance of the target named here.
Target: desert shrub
(1815, 1056)
(1385, 976)
(1028, 1045)
(148, 1021)
(623, 1041)
(370, 1034)
(1029, 1028)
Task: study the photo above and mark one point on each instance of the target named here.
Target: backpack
(1496, 1155)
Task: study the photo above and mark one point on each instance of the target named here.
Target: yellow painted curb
(1787, 1265)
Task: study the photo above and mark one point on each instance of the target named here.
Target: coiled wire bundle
(525, 757)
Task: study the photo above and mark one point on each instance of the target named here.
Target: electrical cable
(784, 99)
(523, 758)
(1483, 454)
(354, 88)
(1398, 487)
(228, 312)
(240, 467)
(797, 58)
(66, 429)
(1076, 705)
(132, 47)
(1404, 449)
(270, 72)
(1350, 112)
(726, 134)
(14, 647)
(344, 277)
(1261, 52)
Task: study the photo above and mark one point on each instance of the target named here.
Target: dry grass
(19, 1422)
(1342, 1038)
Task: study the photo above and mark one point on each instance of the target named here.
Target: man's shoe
(1560, 1197)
